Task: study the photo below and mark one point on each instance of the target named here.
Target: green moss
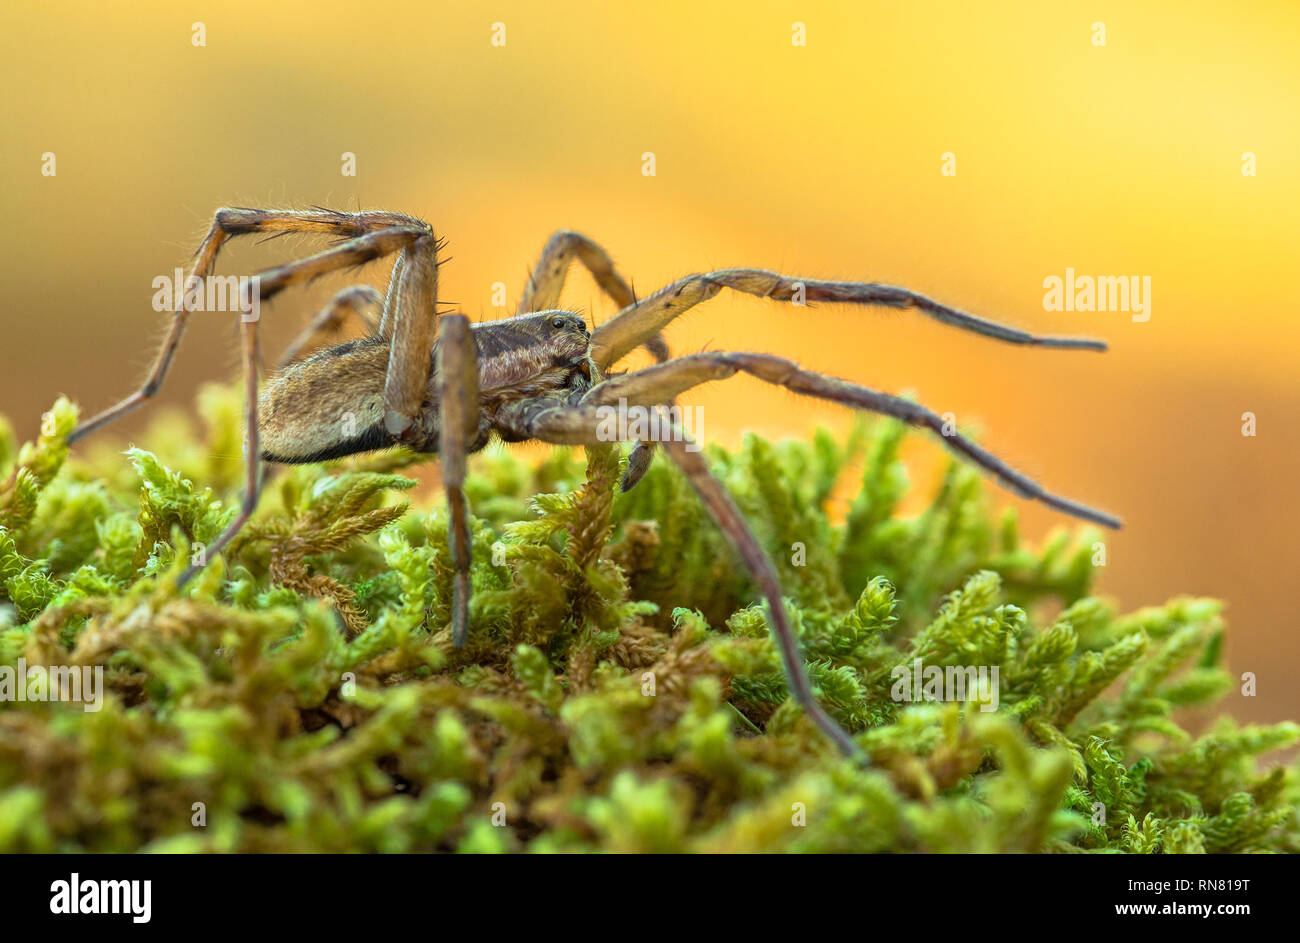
(619, 691)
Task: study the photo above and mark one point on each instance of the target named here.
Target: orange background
(821, 161)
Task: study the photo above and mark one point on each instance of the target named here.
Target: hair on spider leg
(274, 236)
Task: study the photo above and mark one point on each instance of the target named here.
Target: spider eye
(557, 322)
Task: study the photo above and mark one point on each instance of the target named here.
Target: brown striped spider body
(437, 384)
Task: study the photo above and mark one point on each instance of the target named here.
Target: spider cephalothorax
(438, 384)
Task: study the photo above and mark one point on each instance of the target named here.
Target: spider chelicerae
(438, 384)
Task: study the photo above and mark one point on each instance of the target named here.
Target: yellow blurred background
(821, 160)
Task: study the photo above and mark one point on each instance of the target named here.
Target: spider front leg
(722, 507)
(661, 383)
(458, 429)
(580, 425)
(618, 336)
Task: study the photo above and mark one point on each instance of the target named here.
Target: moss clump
(619, 691)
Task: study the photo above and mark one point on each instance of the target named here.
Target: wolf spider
(439, 384)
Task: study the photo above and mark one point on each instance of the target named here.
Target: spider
(438, 384)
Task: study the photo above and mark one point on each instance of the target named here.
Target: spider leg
(359, 300)
(353, 252)
(412, 318)
(546, 283)
(226, 224)
(457, 372)
(622, 333)
(723, 510)
(252, 460)
(580, 425)
(394, 295)
(547, 279)
(660, 383)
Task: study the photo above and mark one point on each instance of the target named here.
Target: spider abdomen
(327, 406)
